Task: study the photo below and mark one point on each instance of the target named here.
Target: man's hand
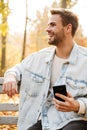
(10, 85)
(70, 103)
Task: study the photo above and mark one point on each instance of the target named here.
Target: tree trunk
(63, 4)
(25, 33)
(3, 50)
(3, 57)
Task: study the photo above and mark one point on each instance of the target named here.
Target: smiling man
(63, 63)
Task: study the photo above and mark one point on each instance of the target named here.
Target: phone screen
(60, 89)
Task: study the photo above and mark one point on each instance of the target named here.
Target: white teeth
(50, 35)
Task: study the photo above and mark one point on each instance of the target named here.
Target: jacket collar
(51, 53)
(72, 58)
(73, 55)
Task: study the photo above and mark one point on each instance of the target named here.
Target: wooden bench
(7, 107)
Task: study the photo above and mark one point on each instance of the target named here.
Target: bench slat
(8, 107)
(1, 89)
(1, 80)
(8, 120)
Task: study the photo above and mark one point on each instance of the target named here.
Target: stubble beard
(57, 39)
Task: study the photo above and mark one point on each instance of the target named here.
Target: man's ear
(69, 28)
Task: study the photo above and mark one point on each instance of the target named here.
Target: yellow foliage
(4, 28)
(8, 127)
(13, 55)
(3, 99)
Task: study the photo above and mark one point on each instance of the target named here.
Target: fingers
(10, 88)
(61, 96)
(59, 105)
(66, 98)
(69, 105)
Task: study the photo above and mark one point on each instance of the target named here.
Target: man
(63, 63)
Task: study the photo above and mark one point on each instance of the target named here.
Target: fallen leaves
(5, 98)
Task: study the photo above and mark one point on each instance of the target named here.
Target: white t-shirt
(56, 68)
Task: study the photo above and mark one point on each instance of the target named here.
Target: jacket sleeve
(18, 69)
(83, 110)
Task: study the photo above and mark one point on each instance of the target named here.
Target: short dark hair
(67, 17)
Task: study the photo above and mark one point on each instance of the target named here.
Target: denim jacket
(35, 83)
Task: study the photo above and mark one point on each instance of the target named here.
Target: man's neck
(63, 51)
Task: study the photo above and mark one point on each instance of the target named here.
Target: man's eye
(52, 24)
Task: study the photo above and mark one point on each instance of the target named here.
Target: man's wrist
(77, 106)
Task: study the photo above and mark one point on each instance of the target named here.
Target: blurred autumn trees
(4, 12)
(13, 48)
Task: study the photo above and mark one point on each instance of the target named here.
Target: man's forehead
(54, 18)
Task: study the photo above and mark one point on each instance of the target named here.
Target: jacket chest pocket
(76, 87)
(35, 84)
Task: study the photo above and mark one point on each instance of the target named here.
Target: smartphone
(60, 89)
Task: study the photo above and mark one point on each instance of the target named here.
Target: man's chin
(50, 43)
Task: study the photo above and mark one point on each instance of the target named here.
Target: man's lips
(50, 35)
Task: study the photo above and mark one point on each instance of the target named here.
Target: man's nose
(48, 29)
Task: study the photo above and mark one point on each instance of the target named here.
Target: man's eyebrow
(51, 23)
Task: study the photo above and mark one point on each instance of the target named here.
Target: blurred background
(22, 32)
(23, 24)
